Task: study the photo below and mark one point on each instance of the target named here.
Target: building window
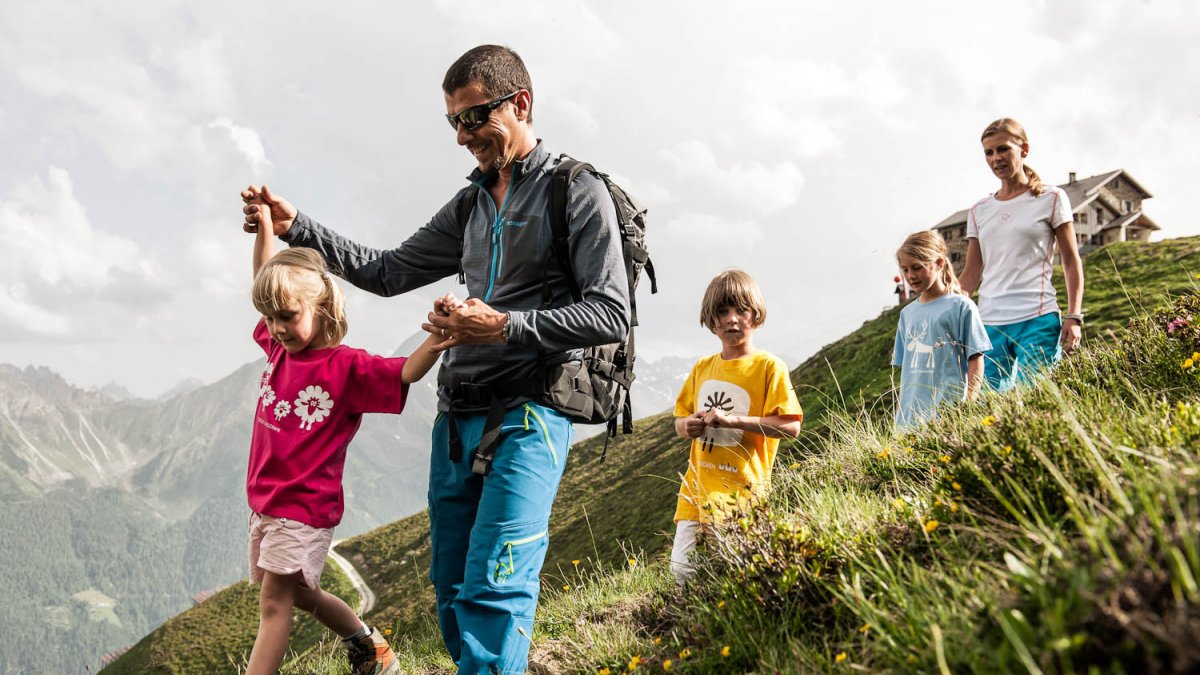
(1081, 217)
(1127, 206)
(1116, 183)
(1099, 217)
(954, 256)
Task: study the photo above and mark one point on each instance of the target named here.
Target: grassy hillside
(853, 375)
(605, 611)
(216, 635)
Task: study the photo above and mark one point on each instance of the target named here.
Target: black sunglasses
(477, 115)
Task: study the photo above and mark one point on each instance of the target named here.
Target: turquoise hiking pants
(489, 534)
(1020, 351)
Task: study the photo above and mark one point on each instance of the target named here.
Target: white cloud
(750, 187)
(58, 274)
(248, 143)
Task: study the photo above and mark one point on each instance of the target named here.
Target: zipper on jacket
(505, 569)
(497, 241)
(545, 431)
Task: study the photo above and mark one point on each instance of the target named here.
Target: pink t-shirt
(309, 407)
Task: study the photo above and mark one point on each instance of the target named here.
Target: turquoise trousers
(489, 534)
(1021, 351)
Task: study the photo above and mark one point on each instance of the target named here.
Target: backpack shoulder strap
(464, 203)
(560, 181)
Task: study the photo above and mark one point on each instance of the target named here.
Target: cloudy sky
(799, 142)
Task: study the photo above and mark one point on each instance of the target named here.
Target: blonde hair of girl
(1016, 132)
(732, 288)
(298, 276)
(927, 247)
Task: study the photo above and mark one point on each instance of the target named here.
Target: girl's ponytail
(1036, 188)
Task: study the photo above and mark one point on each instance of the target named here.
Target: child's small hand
(693, 427)
(717, 418)
(446, 304)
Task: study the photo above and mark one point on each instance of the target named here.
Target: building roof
(1131, 219)
(1080, 193)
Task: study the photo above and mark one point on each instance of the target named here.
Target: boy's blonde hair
(1013, 129)
(299, 276)
(732, 288)
(927, 247)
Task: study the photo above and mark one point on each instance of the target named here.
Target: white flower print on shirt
(312, 405)
(282, 409)
(264, 383)
(268, 396)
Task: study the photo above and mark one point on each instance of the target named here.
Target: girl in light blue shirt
(940, 339)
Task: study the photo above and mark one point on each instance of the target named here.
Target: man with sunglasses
(499, 443)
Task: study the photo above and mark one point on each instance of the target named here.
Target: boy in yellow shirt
(735, 406)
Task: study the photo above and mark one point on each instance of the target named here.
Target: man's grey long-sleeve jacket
(504, 255)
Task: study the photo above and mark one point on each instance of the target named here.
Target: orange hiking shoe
(372, 655)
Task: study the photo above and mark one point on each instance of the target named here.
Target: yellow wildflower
(1196, 356)
(885, 452)
(794, 466)
(721, 605)
(944, 459)
(956, 485)
(937, 501)
(953, 507)
(898, 503)
(840, 657)
(604, 671)
(908, 449)
(988, 421)
(725, 651)
(635, 662)
(633, 562)
(566, 587)
(387, 631)
(864, 628)
(658, 641)
(1188, 363)
(931, 525)
(576, 562)
(684, 653)
(667, 664)
(1008, 449)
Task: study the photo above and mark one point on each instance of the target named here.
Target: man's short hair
(499, 69)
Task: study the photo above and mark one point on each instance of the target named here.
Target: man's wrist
(1075, 316)
(506, 327)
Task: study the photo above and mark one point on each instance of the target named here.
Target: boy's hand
(693, 427)
(717, 418)
(282, 213)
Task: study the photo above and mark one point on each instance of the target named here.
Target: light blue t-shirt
(934, 340)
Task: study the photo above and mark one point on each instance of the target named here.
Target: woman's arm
(972, 268)
(1064, 235)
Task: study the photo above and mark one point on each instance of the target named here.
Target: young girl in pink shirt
(311, 399)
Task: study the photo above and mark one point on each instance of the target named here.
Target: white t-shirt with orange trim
(1016, 238)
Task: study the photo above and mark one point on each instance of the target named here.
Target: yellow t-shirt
(728, 465)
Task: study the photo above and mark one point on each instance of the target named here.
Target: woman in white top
(1011, 236)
